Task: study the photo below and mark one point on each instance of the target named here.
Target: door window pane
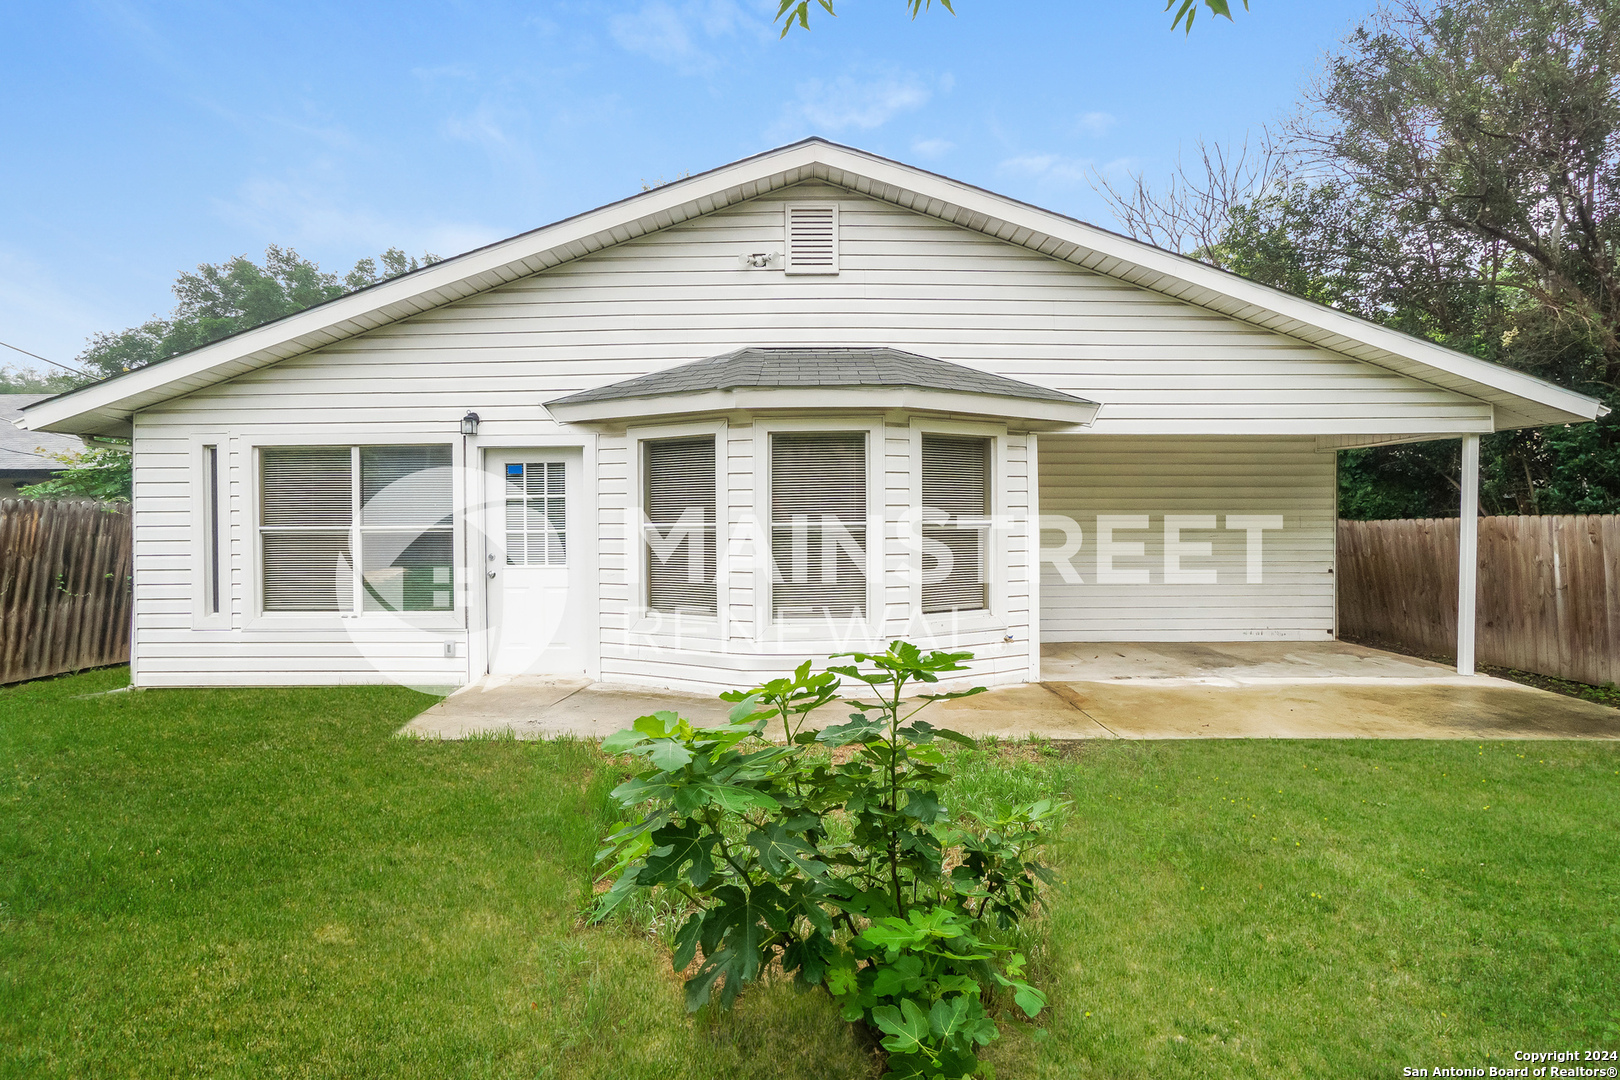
(536, 514)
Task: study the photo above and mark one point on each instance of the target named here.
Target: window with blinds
(406, 528)
(955, 523)
(345, 526)
(679, 501)
(818, 525)
(812, 239)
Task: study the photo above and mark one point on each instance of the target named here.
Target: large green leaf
(658, 725)
(669, 755)
(902, 975)
(686, 941)
(779, 849)
(861, 728)
(905, 1028)
(741, 799)
(620, 741)
(948, 1016)
(679, 846)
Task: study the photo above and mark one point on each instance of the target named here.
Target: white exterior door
(538, 590)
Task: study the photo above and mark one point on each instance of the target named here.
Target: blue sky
(142, 139)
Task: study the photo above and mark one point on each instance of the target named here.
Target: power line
(36, 356)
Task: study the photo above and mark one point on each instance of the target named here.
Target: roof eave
(106, 407)
(1026, 411)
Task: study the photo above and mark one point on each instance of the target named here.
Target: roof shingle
(812, 367)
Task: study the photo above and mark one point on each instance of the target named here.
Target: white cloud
(829, 106)
(300, 211)
(932, 148)
(1048, 167)
(680, 35)
(482, 127)
(1095, 123)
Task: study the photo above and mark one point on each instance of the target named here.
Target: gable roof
(107, 407)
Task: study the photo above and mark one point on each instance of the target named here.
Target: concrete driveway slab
(1236, 690)
(1363, 710)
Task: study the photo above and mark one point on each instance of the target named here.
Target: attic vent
(812, 238)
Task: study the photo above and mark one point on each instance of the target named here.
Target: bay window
(955, 523)
(818, 524)
(679, 502)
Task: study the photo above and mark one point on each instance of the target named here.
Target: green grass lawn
(266, 883)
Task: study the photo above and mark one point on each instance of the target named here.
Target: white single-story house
(803, 403)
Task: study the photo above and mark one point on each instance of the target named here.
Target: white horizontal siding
(908, 281)
(1083, 477)
(1157, 365)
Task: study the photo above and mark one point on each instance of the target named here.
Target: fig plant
(832, 854)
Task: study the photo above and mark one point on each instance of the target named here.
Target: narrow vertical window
(680, 529)
(818, 525)
(211, 544)
(956, 523)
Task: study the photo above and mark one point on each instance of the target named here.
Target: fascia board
(1174, 275)
(758, 399)
(442, 283)
(112, 402)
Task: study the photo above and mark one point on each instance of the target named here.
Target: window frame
(453, 617)
(206, 557)
(770, 628)
(994, 616)
(646, 623)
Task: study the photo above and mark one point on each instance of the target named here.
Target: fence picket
(64, 587)
(1548, 598)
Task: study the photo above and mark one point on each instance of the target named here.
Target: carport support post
(1467, 555)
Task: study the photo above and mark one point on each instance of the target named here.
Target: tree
(798, 11)
(1452, 174)
(101, 472)
(14, 380)
(221, 299)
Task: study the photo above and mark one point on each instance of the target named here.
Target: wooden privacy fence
(64, 586)
(1548, 596)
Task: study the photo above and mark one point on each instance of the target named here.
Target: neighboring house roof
(1519, 400)
(26, 454)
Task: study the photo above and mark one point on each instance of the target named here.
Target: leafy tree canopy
(22, 380)
(102, 473)
(220, 299)
(797, 12)
(1453, 173)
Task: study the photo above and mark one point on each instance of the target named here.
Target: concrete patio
(1274, 690)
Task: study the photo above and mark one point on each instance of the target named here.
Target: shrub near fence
(64, 586)
(1548, 599)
